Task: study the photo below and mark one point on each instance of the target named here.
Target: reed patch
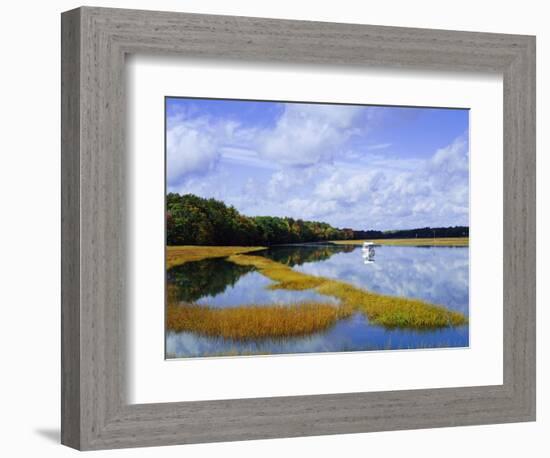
(388, 311)
(252, 322)
(177, 255)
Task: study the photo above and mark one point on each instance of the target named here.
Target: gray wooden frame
(95, 413)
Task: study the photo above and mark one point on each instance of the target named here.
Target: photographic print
(299, 227)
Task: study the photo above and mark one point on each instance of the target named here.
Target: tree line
(422, 232)
(193, 220)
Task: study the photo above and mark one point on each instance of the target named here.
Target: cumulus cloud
(195, 145)
(449, 168)
(312, 209)
(318, 162)
(295, 180)
(304, 135)
(349, 186)
(434, 191)
(308, 134)
(190, 148)
(453, 159)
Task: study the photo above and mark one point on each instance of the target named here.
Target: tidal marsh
(251, 322)
(290, 299)
(177, 255)
(389, 311)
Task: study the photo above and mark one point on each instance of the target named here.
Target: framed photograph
(267, 250)
(279, 228)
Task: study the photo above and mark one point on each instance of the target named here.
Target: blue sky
(364, 167)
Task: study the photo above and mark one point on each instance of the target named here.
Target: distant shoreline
(178, 254)
(438, 241)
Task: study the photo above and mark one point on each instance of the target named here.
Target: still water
(438, 275)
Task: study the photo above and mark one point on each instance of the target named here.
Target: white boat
(368, 252)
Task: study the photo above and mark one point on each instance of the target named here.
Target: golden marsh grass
(392, 311)
(252, 322)
(389, 311)
(257, 321)
(177, 255)
(283, 276)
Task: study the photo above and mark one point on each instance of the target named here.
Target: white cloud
(295, 180)
(194, 146)
(303, 136)
(448, 168)
(245, 157)
(378, 146)
(348, 186)
(383, 195)
(453, 158)
(311, 209)
(191, 147)
(308, 134)
(303, 167)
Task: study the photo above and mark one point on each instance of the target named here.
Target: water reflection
(296, 255)
(209, 277)
(253, 289)
(436, 274)
(352, 334)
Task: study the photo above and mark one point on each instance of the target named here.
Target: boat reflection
(367, 252)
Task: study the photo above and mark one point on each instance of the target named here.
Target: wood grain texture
(70, 229)
(95, 413)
